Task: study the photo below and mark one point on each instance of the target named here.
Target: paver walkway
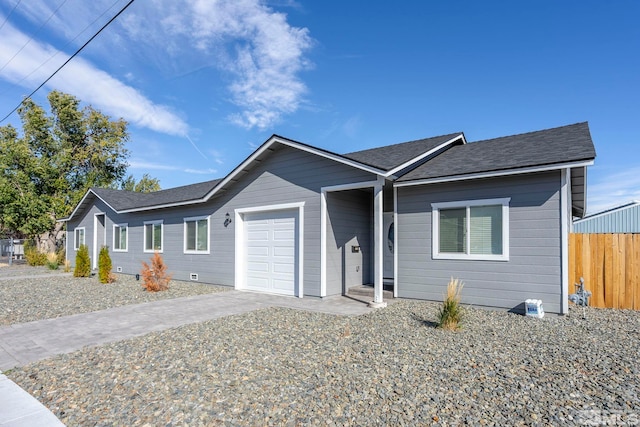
(29, 342)
(23, 343)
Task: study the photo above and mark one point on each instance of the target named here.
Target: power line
(58, 51)
(10, 13)
(31, 38)
(68, 60)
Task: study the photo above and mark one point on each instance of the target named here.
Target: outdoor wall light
(227, 219)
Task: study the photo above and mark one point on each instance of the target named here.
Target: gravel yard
(45, 294)
(391, 367)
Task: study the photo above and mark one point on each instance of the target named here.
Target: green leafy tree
(83, 262)
(145, 185)
(47, 167)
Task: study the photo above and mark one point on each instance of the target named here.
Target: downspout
(565, 226)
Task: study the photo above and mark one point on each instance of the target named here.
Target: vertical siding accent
(622, 220)
(534, 268)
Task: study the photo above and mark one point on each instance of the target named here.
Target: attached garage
(269, 253)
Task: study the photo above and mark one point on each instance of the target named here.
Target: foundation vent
(193, 276)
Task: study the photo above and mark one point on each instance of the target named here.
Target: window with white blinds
(477, 230)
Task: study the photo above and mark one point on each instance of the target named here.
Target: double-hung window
(153, 236)
(78, 238)
(120, 237)
(196, 235)
(473, 230)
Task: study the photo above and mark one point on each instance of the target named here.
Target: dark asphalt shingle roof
(545, 147)
(123, 200)
(392, 156)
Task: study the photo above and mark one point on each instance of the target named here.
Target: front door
(388, 243)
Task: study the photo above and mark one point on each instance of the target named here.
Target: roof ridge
(530, 132)
(451, 135)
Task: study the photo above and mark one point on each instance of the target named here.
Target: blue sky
(202, 83)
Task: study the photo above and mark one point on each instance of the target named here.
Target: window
(78, 238)
(120, 237)
(196, 235)
(153, 236)
(475, 230)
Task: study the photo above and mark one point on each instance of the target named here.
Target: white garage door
(271, 239)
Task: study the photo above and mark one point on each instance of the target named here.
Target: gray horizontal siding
(285, 176)
(534, 266)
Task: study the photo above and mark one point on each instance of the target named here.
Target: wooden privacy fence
(610, 266)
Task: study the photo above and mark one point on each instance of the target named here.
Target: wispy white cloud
(262, 54)
(147, 166)
(85, 81)
(614, 189)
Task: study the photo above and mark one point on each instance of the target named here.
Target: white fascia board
(82, 201)
(295, 145)
(558, 166)
(424, 155)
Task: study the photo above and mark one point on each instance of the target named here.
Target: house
(624, 218)
(298, 220)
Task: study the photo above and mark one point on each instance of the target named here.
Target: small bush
(104, 266)
(52, 261)
(450, 314)
(67, 266)
(62, 256)
(33, 256)
(83, 262)
(155, 277)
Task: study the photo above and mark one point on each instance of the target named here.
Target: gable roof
(556, 146)
(122, 200)
(439, 156)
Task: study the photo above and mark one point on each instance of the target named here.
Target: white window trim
(435, 227)
(126, 242)
(76, 245)
(197, 218)
(144, 236)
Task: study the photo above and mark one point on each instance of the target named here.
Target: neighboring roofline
(80, 204)
(492, 174)
(426, 154)
(606, 211)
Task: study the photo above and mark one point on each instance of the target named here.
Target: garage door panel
(270, 248)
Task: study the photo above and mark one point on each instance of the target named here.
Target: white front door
(271, 248)
(388, 243)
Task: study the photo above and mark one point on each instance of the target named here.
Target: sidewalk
(24, 343)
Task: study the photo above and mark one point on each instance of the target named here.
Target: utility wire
(31, 38)
(68, 60)
(59, 51)
(10, 13)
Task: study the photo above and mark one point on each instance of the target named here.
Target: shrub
(450, 314)
(33, 256)
(52, 261)
(67, 266)
(104, 266)
(155, 277)
(83, 263)
(61, 255)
